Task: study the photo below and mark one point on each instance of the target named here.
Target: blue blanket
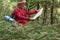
(9, 19)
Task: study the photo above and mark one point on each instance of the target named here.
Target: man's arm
(17, 13)
(31, 12)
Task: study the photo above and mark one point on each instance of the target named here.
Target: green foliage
(36, 30)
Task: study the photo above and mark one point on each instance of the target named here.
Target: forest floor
(36, 31)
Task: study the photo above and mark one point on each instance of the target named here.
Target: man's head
(21, 2)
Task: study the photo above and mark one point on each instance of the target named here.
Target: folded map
(38, 14)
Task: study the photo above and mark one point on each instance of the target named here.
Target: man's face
(22, 4)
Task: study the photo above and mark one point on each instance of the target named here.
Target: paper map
(38, 14)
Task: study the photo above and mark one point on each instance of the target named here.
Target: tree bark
(52, 9)
(45, 13)
(37, 9)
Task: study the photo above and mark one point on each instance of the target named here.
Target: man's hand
(38, 10)
(31, 19)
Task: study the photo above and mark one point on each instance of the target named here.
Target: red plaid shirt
(20, 15)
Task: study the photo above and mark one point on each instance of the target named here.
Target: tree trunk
(45, 13)
(37, 9)
(52, 9)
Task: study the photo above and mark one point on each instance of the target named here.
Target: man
(20, 13)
